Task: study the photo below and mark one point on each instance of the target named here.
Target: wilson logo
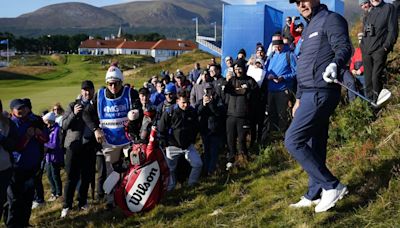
(143, 187)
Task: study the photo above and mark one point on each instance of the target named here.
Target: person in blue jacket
(27, 157)
(281, 71)
(325, 51)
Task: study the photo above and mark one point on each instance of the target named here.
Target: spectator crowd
(248, 104)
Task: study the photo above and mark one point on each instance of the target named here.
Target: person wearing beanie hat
(326, 49)
(114, 74)
(54, 156)
(241, 54)
(50, 116)
(111, 105)
(242, 96)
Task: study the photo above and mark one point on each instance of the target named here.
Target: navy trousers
(5, 176)
(212, 145)
(307, 136)
(20, 195)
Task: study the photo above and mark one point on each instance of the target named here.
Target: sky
(14, 8)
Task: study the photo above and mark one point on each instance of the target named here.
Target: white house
(135, 48)
(160, 51)
(166, 49)
(99, 47)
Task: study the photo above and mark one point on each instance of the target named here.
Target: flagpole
(8, 55)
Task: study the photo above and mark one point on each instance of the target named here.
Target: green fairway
(46, 86)
(62, 84)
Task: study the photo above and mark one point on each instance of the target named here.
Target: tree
(75, 41)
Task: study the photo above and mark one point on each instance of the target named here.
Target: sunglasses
(113, 83)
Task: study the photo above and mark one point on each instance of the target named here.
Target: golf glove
(330, 73)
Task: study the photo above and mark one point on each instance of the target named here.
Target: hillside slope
(64, 15)
(363, 153)
(167, 13)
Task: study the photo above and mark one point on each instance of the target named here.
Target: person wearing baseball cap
(27, 158)
(326, 49)
(80, 127)
(229, 65)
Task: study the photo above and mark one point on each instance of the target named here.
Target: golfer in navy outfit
(325, 50)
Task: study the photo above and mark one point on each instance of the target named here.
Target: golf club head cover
(330, 73)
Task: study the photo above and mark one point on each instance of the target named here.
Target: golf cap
(17, 104)
(87, 85)
(228, 58)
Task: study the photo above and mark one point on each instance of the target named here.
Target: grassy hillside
(363, 153)
(60, 80)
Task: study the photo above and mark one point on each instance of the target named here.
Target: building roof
(100, 43)
(136, 45)
(185, 45)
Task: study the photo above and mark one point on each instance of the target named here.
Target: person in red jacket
(296, 30)
(356, 64)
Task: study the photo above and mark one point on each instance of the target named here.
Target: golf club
(383, 96)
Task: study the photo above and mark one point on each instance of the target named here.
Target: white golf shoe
(304, 202)
(330, 197)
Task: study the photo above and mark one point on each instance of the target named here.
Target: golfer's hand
(99, 135)
(295, 106)
(330, 73)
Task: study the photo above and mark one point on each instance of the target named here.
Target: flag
(4, 41)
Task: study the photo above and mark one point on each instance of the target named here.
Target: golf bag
(145, 182)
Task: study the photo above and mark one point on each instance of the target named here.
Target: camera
(369, 30)
(297, 18)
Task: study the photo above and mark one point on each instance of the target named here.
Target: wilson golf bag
(145, 182)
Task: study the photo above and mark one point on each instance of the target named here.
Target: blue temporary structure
(243, 26)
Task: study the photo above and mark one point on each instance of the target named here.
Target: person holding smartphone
(211, 112)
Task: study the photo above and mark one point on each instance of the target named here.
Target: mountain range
(172, 18)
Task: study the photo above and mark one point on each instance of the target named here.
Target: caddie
(112, 105)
